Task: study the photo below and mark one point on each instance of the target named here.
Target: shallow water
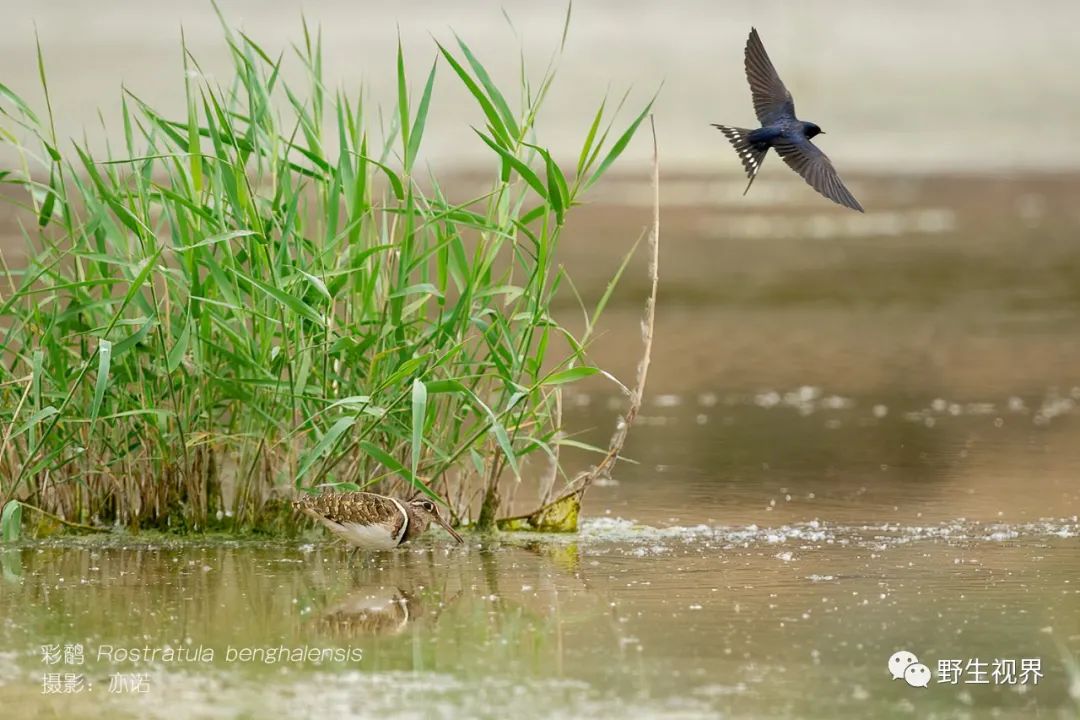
(784, 621)
(764, 559)
(859, 439)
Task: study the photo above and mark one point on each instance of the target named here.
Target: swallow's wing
(772, 101)
(805, 158)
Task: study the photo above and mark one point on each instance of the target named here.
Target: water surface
(861, 436)
(764, 559)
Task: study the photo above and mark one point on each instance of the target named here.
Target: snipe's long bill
(370, 521)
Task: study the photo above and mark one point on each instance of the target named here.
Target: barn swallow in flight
(781, 130)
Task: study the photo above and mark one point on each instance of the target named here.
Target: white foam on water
(649, 540)
(9, 666)
(810, 399)
(401, 696)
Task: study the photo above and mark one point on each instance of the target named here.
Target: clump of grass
(267, 293)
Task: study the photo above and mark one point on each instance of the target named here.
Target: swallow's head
(811, 129)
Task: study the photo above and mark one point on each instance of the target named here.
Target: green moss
(558, 516)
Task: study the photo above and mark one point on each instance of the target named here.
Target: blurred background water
(960, 86)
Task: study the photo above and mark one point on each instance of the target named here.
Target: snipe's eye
(429, 506)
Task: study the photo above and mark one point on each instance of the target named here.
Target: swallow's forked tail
(751, 156)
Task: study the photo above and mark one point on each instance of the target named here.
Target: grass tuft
(261, 296)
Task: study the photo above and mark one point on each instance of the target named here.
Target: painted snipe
(370, 521)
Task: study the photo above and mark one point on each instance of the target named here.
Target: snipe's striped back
(371, 521)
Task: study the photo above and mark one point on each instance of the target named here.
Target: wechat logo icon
(903, 665)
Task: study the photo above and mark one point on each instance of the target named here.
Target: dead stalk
(648, 323)
(583, 480)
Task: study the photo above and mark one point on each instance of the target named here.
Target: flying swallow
(782, 131)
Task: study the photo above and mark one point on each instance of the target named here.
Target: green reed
(267, 294)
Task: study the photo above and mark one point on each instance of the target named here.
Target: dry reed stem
(583, 480)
